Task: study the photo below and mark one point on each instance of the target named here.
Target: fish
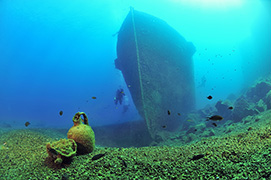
(60, 113)
(179, 114)
(215, 118)
(164, 126)
(93, 97)
(197, 157)
(209, 97)
(230, 108)
(214, 124)
(168, 112)
(97, 156)
(27, 124)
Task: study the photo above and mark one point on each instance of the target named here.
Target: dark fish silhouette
(60, 113)
(214, 124)
(215, 118)
(197, 157)
(164, 126)
(94, 97)
(179, 114)
(168, 112)
(230, 107)
(27, 124)
(98, 156)
(209, 97)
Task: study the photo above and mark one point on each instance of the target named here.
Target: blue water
(57, 55)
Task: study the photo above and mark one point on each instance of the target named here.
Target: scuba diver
(122, 99)
(119, 96)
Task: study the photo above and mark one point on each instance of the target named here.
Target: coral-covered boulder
(61, 150)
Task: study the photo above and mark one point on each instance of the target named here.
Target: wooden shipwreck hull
(156, 63)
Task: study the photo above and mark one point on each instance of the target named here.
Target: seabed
(244, 153)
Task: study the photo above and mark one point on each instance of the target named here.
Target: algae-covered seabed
(243, 154)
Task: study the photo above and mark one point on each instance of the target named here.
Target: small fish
(230, 107)
(215, 118)
(164, 126)
(209, 97)
(179, 114)
(93, 97)
(27, 124)
(97, 156)
(60, 113)
(189, 120)
(214, 124)
(197, 157)
(250, 128)
(168, 112)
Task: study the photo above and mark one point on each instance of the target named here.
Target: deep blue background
(56, 55)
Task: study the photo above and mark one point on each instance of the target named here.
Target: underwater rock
(191, 130)
(268, 100)
(206, 111)
(258, 91)
(242, 108)
(261, 106)
(223, 109)
(197, 129)
(208, 133)
(256, 100)
(61, 150)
